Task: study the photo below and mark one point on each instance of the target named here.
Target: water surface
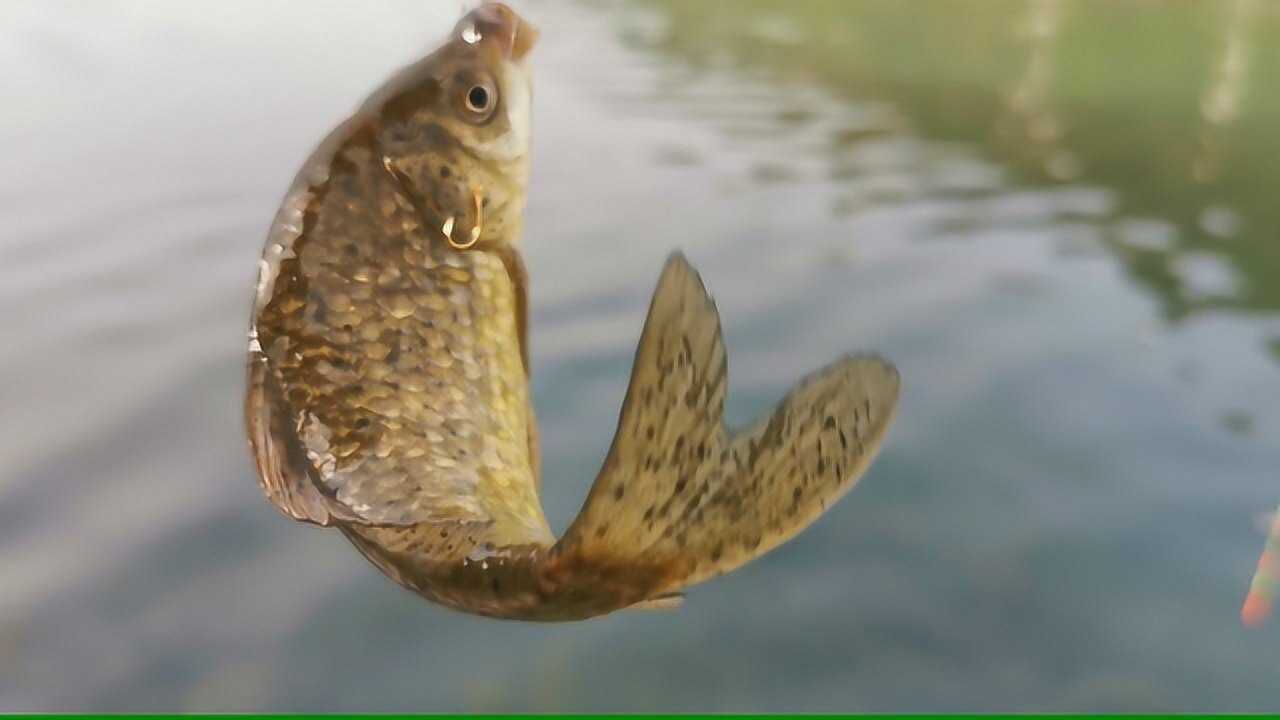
(1057, 218)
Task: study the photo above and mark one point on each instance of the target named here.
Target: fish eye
(479, 100)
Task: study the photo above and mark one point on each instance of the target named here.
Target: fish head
(455, 127)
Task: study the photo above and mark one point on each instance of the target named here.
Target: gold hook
(476, 230)
(447, 227)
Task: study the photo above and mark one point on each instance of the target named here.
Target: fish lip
(496, 24)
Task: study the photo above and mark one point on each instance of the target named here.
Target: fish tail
(682, 498)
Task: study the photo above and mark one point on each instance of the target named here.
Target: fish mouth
(497, 25)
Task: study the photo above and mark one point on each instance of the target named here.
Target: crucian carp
(388, 373)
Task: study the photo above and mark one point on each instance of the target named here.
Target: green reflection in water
(1161, 103)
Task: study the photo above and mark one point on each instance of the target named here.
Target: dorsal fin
(283, 470)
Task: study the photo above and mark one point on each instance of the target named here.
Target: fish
(388, 373)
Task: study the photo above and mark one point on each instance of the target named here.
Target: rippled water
(1056, 217)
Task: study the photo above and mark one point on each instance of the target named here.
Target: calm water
(1057, 218)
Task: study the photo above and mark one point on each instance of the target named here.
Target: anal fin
(672, 601)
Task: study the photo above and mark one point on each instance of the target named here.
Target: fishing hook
(448, 228)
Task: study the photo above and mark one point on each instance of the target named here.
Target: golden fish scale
(404, 355)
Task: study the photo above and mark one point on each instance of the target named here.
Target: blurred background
(1058, 218)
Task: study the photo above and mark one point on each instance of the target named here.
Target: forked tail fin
(678, 500)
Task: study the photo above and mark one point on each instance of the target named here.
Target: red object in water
(1257, 604)
(1256, 609)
